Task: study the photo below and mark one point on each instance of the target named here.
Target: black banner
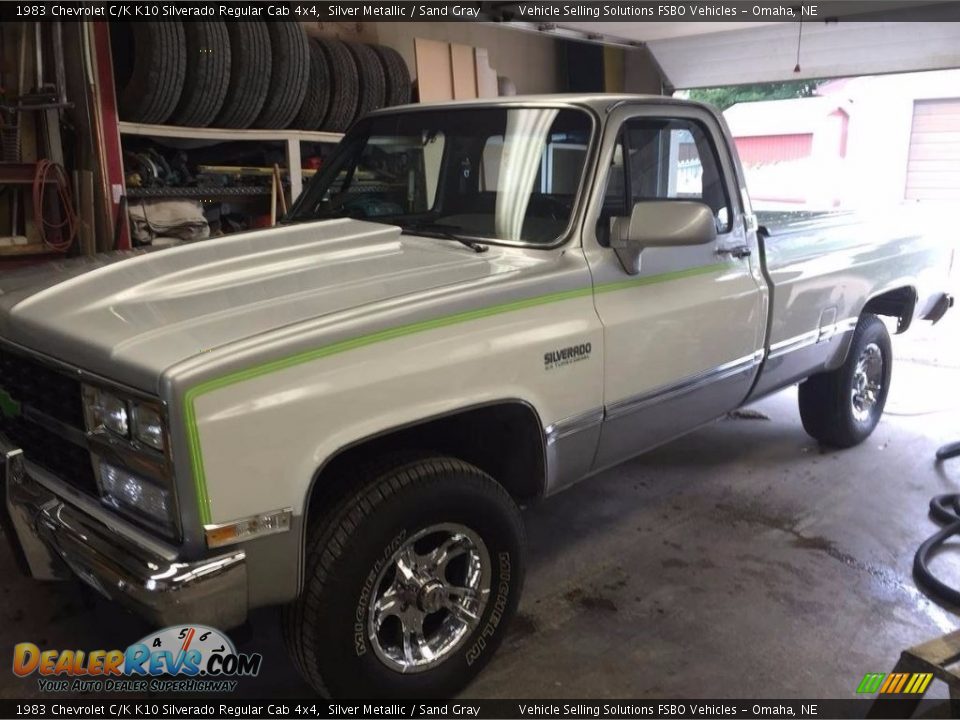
(493, 709)
(438, 11)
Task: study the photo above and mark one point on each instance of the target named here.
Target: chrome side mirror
(660, 223)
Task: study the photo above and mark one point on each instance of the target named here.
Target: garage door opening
(852, 143)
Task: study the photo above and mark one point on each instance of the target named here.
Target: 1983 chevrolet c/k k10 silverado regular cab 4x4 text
(472, 306)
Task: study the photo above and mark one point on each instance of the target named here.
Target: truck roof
(600, 102)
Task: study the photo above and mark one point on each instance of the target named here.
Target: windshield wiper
(442, 230)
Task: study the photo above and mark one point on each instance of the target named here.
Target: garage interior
(743, 559)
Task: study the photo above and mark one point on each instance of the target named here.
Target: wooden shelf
(19, 173)
(291, 138)
(227, 134)
(26, 250)
(237, 191)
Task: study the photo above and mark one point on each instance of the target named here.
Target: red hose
(65, 231)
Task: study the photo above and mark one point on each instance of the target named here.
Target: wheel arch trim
(506, 402)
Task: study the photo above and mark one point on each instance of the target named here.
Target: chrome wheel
(429, 597)
(867, 382)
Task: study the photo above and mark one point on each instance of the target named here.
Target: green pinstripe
(189, 409)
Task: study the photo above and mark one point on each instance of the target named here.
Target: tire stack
(250, 74)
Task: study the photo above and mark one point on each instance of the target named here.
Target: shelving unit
(17, 177)
(198, 193)
(290, 138)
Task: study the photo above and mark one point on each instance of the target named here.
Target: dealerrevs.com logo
(191, 658)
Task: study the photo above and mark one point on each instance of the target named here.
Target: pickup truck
(471, 307)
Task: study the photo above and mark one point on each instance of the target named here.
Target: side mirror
(661, 223)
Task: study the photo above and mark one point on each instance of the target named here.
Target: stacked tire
(344, 86)
(290, 75)
(250, 74)
(360, 78)
(150, 64)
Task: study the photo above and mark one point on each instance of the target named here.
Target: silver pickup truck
(472, 306)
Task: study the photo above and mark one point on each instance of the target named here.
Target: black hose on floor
(944, 509)
(948, 451)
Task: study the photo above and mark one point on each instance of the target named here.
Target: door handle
(739, 251)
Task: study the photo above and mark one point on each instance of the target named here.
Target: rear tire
(842, 407)
(376, 572)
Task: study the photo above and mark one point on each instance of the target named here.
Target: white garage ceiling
(647, 31)
(708, 54)
(769, 53)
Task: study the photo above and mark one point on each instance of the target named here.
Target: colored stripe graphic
(870, 683)
(190, 397)
(895, 683)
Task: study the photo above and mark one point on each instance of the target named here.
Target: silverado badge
(565, 356)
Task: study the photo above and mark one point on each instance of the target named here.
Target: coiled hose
(64, 232)
(944, 509)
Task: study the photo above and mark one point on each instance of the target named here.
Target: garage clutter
(167, 222)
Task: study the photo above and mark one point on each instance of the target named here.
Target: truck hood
(129, 316)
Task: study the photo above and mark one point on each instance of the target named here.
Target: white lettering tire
(410, 582)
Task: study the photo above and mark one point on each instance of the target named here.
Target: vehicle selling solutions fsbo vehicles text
(604, 10)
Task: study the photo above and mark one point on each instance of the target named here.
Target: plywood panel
(486, 75)
(530, 59)
(434, 70)
(464, 72)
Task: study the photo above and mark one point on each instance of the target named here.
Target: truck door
(684, 327)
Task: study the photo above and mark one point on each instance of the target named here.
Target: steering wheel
(558, 209)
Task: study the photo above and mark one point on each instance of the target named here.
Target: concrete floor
(740, 561)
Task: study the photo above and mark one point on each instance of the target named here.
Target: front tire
(842, 407)
(409, 584)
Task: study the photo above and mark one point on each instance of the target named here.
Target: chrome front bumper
(53, 538)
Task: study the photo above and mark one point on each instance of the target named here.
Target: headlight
(107, 410)
(127, 492)
(148, 426)
(128, 419)
(128, 449)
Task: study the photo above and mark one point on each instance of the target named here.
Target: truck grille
(57, 395)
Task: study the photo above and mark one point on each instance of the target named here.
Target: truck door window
(614, 194)
(674, 159)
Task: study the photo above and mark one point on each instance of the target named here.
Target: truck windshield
(489, 173)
